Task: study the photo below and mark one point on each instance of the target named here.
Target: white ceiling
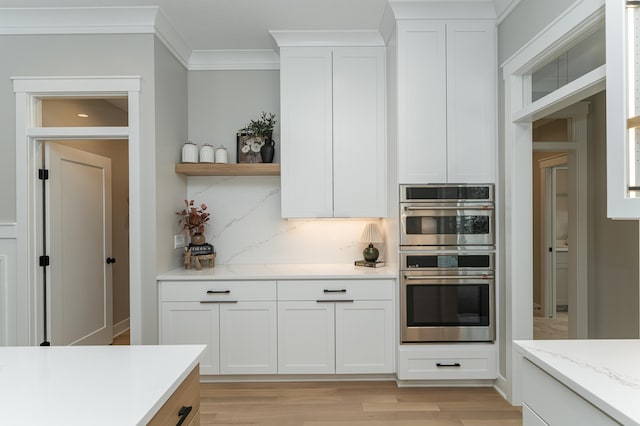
(244, 24)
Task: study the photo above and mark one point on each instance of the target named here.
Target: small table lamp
(371, 235)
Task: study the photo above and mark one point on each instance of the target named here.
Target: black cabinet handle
(183, 413)
(335, 301)
(218, 301)
(218, 291)
(344, 290)
(111, 260)
(455, 364)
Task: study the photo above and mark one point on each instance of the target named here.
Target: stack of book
(376, 264)
(203, 249)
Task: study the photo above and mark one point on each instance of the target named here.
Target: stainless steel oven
(447, 296)
(447, 215)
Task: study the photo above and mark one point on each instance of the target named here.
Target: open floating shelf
(231, 169)
(633, 122)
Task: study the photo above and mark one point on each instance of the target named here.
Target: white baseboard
(120, 327)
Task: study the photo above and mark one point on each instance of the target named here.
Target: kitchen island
(579, 382)
(96, 385)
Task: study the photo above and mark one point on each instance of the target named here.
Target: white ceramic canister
(189, 153)
(221, 155)
(206, 153)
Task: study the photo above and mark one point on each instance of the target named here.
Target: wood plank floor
(352, 403)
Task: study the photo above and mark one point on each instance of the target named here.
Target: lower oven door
(447, 308)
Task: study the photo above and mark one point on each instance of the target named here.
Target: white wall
(614, 278)
(8, 299)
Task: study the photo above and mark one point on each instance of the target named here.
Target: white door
(364, 337)
(248, 338)
(193, 323)
(306, 342)
(79, 235)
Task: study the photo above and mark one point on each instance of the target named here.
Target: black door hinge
(43, 174)
(44, 260)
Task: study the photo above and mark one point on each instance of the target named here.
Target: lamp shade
(371, 234)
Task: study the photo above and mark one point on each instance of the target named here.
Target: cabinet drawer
(204, 291)
(447, 362)
(335, 290)
(187, 395)
(555, 403)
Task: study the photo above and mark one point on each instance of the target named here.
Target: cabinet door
(359, 132)
(471, 103)
(188, 323)
(364, 337)
(422, 100)
(248, 338)
(306, 338)
(306, 132)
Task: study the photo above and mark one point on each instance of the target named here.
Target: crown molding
(168, 35)
(502, 15)
(439, 9)
(327, 38)
(256, 59)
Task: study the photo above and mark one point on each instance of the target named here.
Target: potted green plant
(193, 220)
(257, 137)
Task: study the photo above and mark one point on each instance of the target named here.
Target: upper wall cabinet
(623, 109)
(446, 101)
(333, 149)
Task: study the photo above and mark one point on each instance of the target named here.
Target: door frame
(579, 21)
(28, 132)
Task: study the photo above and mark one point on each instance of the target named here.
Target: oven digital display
(447, 193)
(480, 261)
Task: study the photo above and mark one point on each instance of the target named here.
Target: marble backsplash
(246, 227)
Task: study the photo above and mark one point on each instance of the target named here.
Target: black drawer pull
(335, 301)
(218, 301)
(455, 365)
(183, 413)
(218, 291)
(344, 290)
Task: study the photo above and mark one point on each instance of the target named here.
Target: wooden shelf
(231, 169)
(633, 122)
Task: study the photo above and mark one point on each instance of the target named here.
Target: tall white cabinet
(333, 131)
(447, 108)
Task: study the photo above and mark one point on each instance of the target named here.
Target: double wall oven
(447, 243)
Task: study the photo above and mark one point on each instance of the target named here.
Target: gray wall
(221, 102)
(614, 310)
(86, 55)
(526, 21)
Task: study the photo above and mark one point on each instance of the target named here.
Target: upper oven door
(426, 224)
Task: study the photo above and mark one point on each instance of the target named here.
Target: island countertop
(97, 385)
(278, 271)
(604, 372)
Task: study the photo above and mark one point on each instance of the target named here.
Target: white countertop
(604, 372)
(96, 385)
(280, 272)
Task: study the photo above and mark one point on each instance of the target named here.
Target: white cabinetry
(335, 326)
(546, 401)
(237, 320)
(447, 362)
(333, 131)
(446, 101)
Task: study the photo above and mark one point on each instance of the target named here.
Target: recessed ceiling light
(83, 115)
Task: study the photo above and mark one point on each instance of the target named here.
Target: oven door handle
(448, 277)
(431, 208)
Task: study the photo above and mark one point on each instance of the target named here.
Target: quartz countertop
(96, 385)
(280, 272)
(604, 372)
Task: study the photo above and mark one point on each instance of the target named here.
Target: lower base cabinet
(546, 401)
(183, 407)
(305, 327)
(447, 362)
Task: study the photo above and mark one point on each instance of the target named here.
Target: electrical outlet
(179, 241)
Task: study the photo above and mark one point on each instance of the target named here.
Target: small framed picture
(249, 148)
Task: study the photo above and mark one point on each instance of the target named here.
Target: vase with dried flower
(192, 220)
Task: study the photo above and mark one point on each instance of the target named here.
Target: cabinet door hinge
(44, 260)
(43, 174)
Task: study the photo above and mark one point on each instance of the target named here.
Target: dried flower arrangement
(193, 219)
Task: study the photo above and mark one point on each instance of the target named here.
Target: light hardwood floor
(352, 403)
(551, 328)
